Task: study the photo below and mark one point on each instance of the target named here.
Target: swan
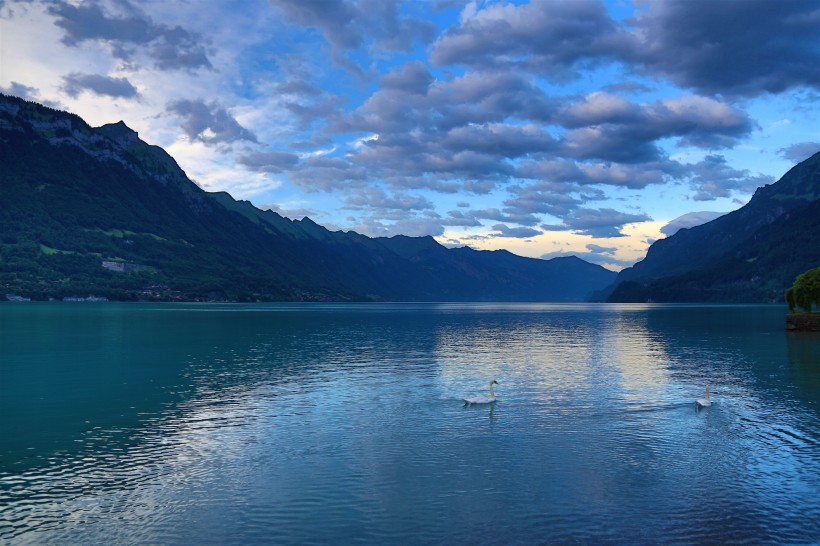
(481, 399)
(704, 402)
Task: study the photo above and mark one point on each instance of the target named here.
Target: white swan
(704, 402)
(481, 399)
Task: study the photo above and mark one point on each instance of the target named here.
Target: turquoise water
(319, 424)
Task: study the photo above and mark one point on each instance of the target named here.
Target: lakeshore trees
(805, 292)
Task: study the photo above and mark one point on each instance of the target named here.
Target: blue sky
(544, 127)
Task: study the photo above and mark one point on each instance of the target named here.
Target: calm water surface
(318, 424)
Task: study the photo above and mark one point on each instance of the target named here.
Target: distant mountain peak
(119, 131)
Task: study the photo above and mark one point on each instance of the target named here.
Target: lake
(335, 423)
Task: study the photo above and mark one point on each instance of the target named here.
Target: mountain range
(752, 254)
(97, 211)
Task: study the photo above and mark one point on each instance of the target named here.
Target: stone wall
(803, 322)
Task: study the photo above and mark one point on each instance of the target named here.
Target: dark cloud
(128, 32)
(502, 230)
(20, 90)
(716, 48)
(463, 115)
(627, 87)
(513, 217)
(688, 220)
(349, 25)
(730, 48)
(270, 162)
(598, 249)
(492, 121)
(27, 92)
(376, 198)
(471, 99)
(800, 152)
(413, 77)
(457, 218)
(554, 39)
(599, 108)
(402, 223)
(334, 18)
(609, 144)
(74, 84)
(555, 199)
(504, 140)
(589, 173)
(323, 109)
(713, 178)
(613, 129)
(599, 223)
(209, 122)
(391, 29)
(329, 174)
(489, 97)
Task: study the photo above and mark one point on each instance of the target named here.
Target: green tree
(805, 292)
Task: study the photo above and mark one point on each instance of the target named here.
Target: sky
(544, 127)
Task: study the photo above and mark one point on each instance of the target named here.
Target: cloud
(334, 18)
(500, 125)
(74, 84)
(799, 152)
(209, 122)
(348, 25)
(456, 218)
(609, 141)
(715, 48)
(29, 93)
(329, 174)
(413, 77)
(713, 178)
(758, 47)
(598, 223)
(402, 224)
(130, 32)
(688, 220)
(516, 232)
(376, 198)
(508, 217)
(322, 108)
(604, 173)
(554, 198)
(270, 162)
(553, 39)
(598, 249)
(498, 139)
(608, 127)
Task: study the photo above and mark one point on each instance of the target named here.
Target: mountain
(98, 211)
(750, 255)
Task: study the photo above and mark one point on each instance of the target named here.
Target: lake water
(320, 424)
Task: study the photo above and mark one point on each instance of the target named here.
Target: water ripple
(352, 430)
